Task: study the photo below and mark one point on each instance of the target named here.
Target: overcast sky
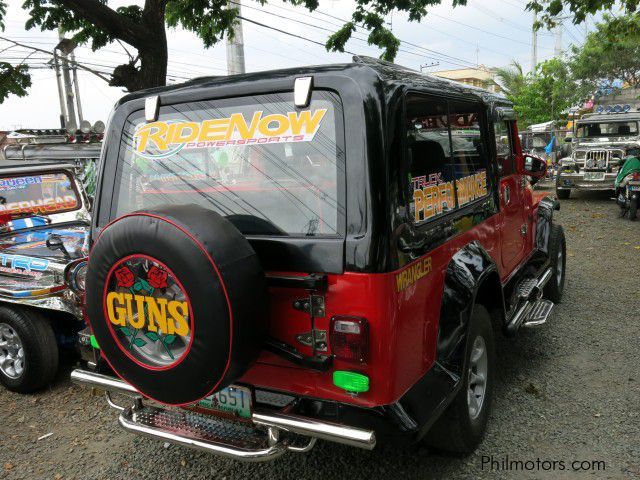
(489, 32)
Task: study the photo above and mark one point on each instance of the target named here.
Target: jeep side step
(533, 310)
(267, 435)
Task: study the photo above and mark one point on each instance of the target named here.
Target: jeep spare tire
(177, 301)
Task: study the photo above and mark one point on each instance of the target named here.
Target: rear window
(40, 194)
(268, 167)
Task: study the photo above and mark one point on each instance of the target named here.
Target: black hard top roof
(389, 73)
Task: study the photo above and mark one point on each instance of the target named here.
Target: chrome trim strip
(97, 380)
(333, 432)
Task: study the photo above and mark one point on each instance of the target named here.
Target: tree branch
(109, 20)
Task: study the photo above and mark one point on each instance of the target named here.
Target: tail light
(636, 176)
(349, 337)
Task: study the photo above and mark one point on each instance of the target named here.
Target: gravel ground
(567, 391)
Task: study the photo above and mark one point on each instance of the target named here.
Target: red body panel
(403, 327)
(403, 324)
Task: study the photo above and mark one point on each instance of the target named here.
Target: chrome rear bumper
(267, 436)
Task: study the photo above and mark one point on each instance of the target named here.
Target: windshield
(37, 195)
(269, 168)
(606, 129)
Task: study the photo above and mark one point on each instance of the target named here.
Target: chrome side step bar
(534, 310)
(267, 436)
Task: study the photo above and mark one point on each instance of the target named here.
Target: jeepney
(44, 222)
(601, 143)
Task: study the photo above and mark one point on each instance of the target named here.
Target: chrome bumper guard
(270, 433)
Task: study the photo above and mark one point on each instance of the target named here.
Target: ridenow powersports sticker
(164, 138)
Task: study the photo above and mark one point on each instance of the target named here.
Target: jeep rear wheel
(28, 350)
(462, 426)
(558, 262)
(176, 299)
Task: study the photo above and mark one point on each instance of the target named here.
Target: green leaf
(169, 339)
(138, 342)
(127, 331)
(153, 336)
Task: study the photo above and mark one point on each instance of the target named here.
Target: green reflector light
(94, 342)
(351, 381)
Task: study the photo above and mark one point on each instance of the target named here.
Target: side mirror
(532, 166)
(54, 242)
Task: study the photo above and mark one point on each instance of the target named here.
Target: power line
(458, 61)
(284, 32)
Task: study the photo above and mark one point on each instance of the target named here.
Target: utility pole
(63, 111)
(534, 43)
(75, 86)
(557, 49)
(68, 91)
(235, 47)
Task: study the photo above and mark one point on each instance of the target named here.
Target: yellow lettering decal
(179, 135)
(274, 127)
(237, 122)
(157, 310)
(418, 199)
(155, 131)
(266, 129)
(117, 315)
(213, 130)
(306, 121)
(413, 273)
(178, 312)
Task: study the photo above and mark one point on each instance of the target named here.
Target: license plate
(594, 175)
(234, 400)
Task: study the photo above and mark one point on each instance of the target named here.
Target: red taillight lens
(636, 176)
(350, 339)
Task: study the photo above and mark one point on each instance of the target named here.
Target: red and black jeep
(320, 252)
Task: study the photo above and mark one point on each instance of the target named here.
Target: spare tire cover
(177, 300)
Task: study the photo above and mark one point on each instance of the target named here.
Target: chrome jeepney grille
(597, 156)
(601, 159)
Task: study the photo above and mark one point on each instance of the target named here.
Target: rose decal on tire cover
(148, 311)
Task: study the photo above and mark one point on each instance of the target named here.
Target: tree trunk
(154, 56)
(152, 47)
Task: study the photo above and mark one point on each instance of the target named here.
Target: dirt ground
(568, 391)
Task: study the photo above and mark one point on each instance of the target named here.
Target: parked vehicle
(44, 225)
(601, 142)
(318, 252)
(628, 188)
(81, 149)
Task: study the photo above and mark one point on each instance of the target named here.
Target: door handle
(506, 194)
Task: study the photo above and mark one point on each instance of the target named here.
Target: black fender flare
(544, 221)
(471, 276)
